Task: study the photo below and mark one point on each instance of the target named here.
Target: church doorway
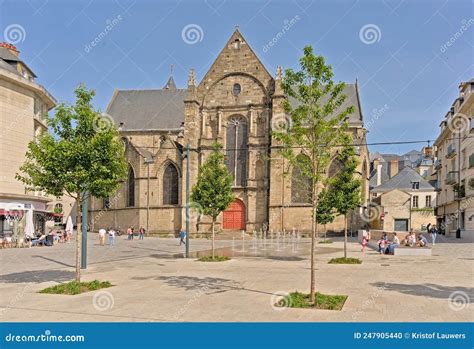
(234, 216)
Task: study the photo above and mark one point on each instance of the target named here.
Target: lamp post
(148, 162)
(84, 220)
(187, 200)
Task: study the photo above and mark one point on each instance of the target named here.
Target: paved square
(154, 283)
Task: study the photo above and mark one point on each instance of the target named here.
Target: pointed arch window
(170, 185)
(131, 187)
(301, 184)
(236, 149)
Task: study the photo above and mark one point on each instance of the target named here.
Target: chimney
(379, 174)
(10, 48)
(393, 168)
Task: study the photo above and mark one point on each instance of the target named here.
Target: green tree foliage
(316, 122)
(325, 212)
(212, 193)
(81, 154)
(345, 189)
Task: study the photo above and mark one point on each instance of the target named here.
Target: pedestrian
(129, 233)
(111, 237)
(141, 233)
(365, 241)
(102, 233)
(433, 233)
(182, 236)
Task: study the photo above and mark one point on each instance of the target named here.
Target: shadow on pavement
(427, 290)
(38, 276)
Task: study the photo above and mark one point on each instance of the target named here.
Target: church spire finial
(170, 85)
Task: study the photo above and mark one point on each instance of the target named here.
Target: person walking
(102, 233)
(111, 237)
(129, 233)
(141, 233)
(182, 236)
(433, 233)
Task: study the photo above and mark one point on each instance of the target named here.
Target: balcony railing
(451, 177)
(451, 151)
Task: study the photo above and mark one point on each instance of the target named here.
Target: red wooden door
(234, 216)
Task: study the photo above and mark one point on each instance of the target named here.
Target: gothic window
(301, 185)
(131, 187)
(106, 203)
(236, 150)
(335, 167)
(170, 185)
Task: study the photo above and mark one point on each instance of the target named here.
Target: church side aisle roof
(161, 109)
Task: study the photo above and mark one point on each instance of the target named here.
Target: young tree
(317, 123)
(325, 210)
(81, 154)
(212, 193)
(345, 189)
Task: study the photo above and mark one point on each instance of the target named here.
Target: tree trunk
(78, 237)
(313, 241)
(345, 235)
(212, 227)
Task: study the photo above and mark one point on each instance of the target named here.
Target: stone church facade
(237, 104)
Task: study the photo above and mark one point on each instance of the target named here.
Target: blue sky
(407, 79)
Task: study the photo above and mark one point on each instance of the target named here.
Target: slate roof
(161, 109)
(8, 61)
(350, 90)
(403, 181)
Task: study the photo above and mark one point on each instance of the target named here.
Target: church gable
(236, 64)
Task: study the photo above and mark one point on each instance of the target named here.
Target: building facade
(236, 104)
(454, 165)
(404, 203)
(23, 104)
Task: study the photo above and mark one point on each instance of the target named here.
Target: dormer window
(415, 185)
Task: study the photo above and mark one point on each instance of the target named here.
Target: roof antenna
(171, 69)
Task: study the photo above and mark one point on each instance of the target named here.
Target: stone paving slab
(152, 284)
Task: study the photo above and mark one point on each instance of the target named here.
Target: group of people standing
(131, 233)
